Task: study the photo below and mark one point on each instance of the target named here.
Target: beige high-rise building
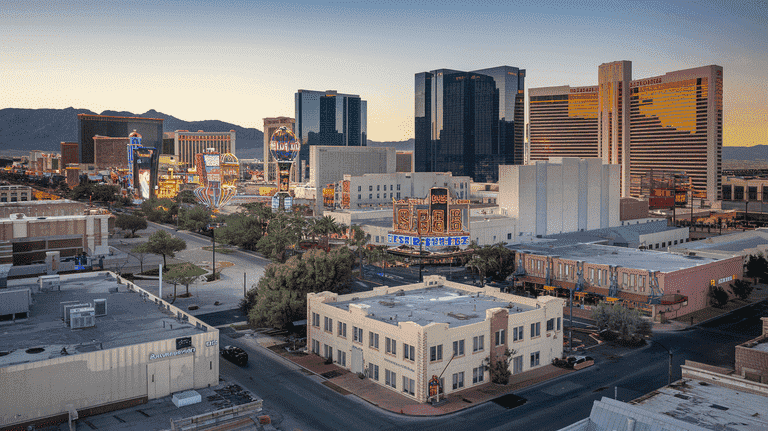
(672, 123)
(270, 125)
(187, 144)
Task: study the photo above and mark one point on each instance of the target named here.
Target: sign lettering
(153, 356)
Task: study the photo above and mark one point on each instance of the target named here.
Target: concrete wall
(15, 301)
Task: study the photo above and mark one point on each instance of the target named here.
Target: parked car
(234, 354)
(574, 362)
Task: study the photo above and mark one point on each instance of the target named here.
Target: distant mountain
(756, 152)
(45, 129)
(399, 145)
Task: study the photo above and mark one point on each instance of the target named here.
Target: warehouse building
(428, 339)
(73, 346)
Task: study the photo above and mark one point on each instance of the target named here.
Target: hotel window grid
(478, 374)
(501, 337)
(373, 340)
(477, 343)
(357, 334)
(535, 329)
(390, 378)
(458, 348)
(328, 324)
(458, 380)
(390, 346)
(409, 386)
(436, 353)
(534, 359)
(373, 371)
(409, 352)
(342, 332)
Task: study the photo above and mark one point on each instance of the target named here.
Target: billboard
(436, 221)
(144, 172)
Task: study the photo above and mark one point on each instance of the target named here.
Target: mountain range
(44, 129)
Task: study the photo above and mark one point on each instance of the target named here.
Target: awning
(609, 299)
(549, 287)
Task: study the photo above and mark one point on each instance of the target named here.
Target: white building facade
(404, 337)
(377, 190)
(565, 194)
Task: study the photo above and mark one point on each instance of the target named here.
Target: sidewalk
(345, 382)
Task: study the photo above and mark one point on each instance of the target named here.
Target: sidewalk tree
(131, 223)
(757, 267)
(185, 197)
(717, 296)
(195, 219)
(163, 244)
(358, 238)
(280, 297)
(184, 274)
(624, 324)
(742, 289)
(498, 368)
(140, 251)
(495, 261)
(241, 230)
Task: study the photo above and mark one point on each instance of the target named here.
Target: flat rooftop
(648, 260)
(432, 305)
(731, 244)
(130, 320)
(708, 406)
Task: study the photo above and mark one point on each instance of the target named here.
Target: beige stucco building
(402, 337)
(120, 347)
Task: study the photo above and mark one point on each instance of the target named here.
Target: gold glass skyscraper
(671, 123)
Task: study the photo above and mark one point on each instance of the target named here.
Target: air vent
(683, 397)
(100, 307)
(719, 407)
(82, 318)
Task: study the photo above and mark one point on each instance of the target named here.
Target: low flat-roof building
(743, 244)
(436, 335)
(658, 282)
(95, 343)
(46, 208)
(752, 357)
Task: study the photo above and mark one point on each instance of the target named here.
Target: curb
(725, 314)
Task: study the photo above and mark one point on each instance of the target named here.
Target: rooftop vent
(719, 407)
(683, 397)
(461, 316)
(100, 307)
(388, 303)
(35, 350)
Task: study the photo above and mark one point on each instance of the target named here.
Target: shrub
(718, 297)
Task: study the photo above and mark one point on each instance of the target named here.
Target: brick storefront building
(752, 357)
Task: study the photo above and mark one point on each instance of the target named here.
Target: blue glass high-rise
(328, 118)
(469, 123)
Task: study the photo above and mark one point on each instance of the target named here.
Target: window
(624, 279)
(327, 351)
(328, 324)
(377, 196)
(591, 274)
(373, 371)
(501, 337)
(535, 329)
(370, 195)
(458, 348)
(315, 347)
(509, 236)
(315, 320)
(558, 323)
(478, 374)
(409, 352)
(341, 358)
(398, 188)
(373, 340)
(357, 334)
(458, 380)
(477, 343)
(359, 188)
(390, 346)
(377, 238)
(378, 188)
(517, 364)
(398, 195)
(370, 188)
(436, 353)
(408, 385)
(551, 325)
(517, 333)
(359, 197)
(390, 378)
(342, 332)
(534, 359)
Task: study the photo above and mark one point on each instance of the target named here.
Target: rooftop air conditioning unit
(82, 318)
(100, 306)
(69, 307)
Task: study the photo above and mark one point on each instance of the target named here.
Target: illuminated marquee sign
(436, 221)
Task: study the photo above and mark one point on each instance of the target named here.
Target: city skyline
(241, 62)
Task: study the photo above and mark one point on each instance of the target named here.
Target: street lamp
(669, 373)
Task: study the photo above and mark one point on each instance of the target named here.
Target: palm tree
(358, 239)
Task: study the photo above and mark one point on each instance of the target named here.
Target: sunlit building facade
(187, 144)
(469, 123)
(671, 123)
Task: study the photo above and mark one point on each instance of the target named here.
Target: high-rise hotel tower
(667, 123)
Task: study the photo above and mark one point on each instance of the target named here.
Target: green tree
(718, 297)
(185, 197)
(163, 244)
(742, 289)
(283, 231)
(242, 230)
(195, 219)
(184, 274)
(358, 239)
(757, 267)
(280, 297)
(626, 324)
(131, 223)
(159, 210)
(140, 251)
(498, 367)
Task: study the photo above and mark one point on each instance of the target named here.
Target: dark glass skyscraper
(151, 130)
(469, 123)
(328, 118)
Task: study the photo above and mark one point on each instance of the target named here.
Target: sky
(241, 61)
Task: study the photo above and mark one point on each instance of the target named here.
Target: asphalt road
(626, 373)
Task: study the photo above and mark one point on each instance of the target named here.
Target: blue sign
(438, 241)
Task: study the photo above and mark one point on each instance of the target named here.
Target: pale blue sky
(241, 61)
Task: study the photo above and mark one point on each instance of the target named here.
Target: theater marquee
(436, 221)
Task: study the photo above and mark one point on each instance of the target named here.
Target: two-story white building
(407, 336)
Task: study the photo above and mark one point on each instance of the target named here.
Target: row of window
(378, 188)
(370, 196)
(390, 344)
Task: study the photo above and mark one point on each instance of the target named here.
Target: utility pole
(421, 258)
(570, 343)
(213, 238)
(669, 372)
(244, 285)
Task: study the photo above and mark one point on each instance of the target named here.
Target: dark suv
(234, 354)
